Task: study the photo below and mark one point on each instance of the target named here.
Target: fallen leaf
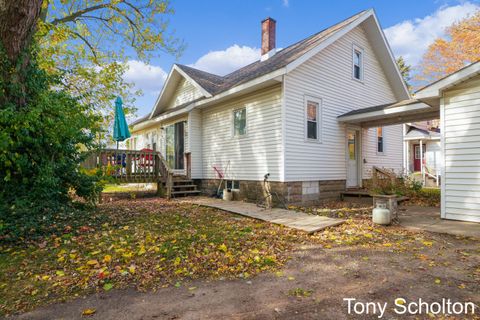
(107, 286)
(88, 312)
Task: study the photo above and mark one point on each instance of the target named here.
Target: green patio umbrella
(120, 126)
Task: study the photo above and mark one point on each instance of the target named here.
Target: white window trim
(362, 62)
(319, 139)
(376, 141)
(232, 114)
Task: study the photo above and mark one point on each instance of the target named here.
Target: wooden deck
(128, 166)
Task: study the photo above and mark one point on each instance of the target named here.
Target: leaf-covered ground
(165, 246)
(147, 243)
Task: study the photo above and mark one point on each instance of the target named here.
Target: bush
(41, 144)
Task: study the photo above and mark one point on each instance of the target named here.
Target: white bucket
(227, 195)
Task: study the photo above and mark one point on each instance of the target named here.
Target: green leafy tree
(405, 70)
(88, 43)
(43, 131)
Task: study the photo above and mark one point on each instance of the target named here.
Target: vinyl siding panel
(328, 76)
(195, 142)
(185, 92)
(461, 138)
(253, 155)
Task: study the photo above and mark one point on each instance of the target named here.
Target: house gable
(179, 90)
(185, 92)
(328, 76)
(369, 23)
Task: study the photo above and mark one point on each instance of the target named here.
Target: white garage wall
(460, 116)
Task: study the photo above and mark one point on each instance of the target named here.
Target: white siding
(461, 134)
(328, 76)
(195, 142)
(253, 155)
(433, 155)
(391, 158)
(185, 92)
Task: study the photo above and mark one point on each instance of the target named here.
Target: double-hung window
(313, 119)
(240, 122)
(380, 140)
(357, 71)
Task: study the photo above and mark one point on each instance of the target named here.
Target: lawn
(146, 243)
(164, 246)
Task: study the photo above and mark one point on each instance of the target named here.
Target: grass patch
(120, 188)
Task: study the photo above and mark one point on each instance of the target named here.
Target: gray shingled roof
(215, 84)
(380, 107)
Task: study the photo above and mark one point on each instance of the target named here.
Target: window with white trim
(240, 122)
(357, 64)
(312, 119)
(380, 140)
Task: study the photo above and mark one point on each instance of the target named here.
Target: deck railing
(132, 166)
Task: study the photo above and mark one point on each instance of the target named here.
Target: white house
(279, 115)
(423, 152)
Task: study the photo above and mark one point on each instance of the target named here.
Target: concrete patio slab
(428, 219)
(288, 218)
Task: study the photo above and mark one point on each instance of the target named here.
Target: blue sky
(222, 36)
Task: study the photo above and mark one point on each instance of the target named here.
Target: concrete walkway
(428, 219)
(288, 218)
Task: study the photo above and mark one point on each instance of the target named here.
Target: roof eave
(435, 89)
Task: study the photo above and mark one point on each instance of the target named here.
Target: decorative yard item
(380, 214)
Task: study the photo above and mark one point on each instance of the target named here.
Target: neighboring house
(422, 146)
(279, 115)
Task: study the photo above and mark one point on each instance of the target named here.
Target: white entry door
(352, 158)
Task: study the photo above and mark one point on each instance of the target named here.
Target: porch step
(184, 187)
(185, 192)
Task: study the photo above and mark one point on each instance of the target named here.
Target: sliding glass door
(175, 145)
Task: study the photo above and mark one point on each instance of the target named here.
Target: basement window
(233, 184)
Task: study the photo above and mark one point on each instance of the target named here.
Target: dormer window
(357, 71)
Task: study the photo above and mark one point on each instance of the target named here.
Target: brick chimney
(268, 36)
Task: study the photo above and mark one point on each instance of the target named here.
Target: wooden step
(184, 186)
(186, 192)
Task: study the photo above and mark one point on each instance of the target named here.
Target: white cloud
(225, 61)
(411, 38)
(285, 3)
(148, 78)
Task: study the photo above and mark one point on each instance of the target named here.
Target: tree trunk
(18, 19)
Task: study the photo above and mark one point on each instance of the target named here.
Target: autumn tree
(405, 70)
(88, 43)
(458, 48)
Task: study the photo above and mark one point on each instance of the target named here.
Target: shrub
(41, 144)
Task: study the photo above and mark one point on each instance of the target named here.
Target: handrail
(132, 166)
(381, 172)
(427, 172)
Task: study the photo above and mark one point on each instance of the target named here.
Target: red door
(416, 157)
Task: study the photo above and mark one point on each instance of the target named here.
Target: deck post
(129, 165)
